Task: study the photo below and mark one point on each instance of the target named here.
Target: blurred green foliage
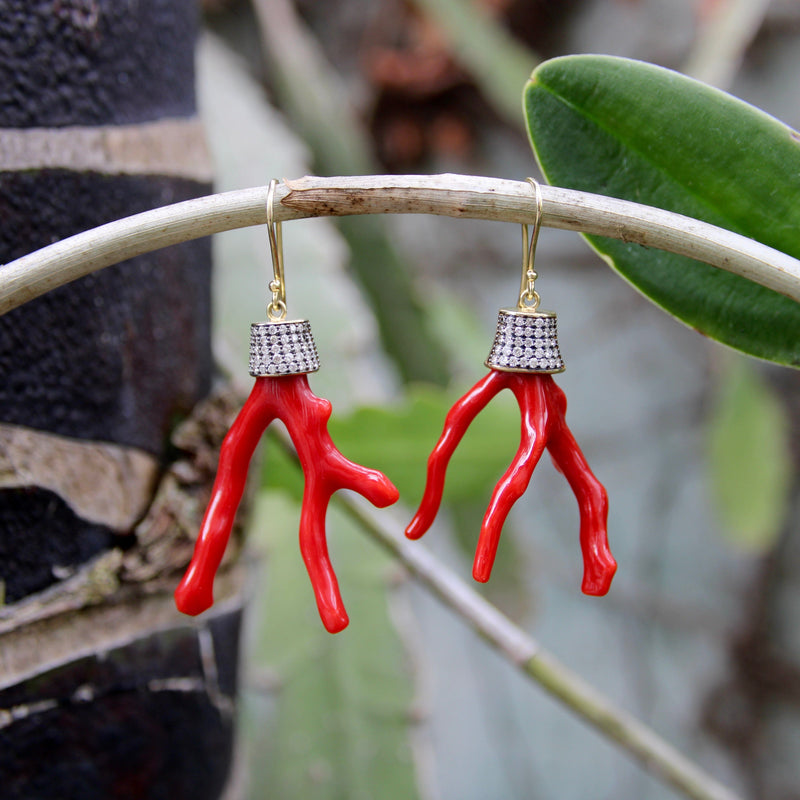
(750, 460)
(397, 440)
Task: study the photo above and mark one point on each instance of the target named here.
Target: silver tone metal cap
(525, 341)
(282, 348)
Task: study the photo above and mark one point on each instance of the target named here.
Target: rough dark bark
(105, 691)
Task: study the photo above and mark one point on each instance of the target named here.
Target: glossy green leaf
(634, 131)
(337, 719)
(399, 440)
(750, 461)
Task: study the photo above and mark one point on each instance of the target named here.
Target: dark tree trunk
(105, 691)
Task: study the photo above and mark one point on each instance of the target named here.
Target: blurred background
(697, 636)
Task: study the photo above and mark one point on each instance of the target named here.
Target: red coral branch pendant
(524, 355)
(281, 355)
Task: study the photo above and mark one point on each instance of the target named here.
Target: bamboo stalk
(449, 195)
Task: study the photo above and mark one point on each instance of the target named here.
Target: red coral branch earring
(282, 352)
(523, 358)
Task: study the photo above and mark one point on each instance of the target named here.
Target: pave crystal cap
(280, 348)
(525, 341)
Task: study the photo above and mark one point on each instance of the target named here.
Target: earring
(282, 352)
(523, 358)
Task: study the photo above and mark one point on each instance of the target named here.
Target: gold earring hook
(528, 296)
(276, 310)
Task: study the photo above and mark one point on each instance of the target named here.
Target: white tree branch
(449, 195)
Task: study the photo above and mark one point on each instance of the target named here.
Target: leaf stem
(449, 195)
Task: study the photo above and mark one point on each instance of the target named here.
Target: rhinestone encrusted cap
(282, 348)
(525, 341)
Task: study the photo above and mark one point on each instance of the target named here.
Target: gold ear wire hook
(276, 310)
(528, 296)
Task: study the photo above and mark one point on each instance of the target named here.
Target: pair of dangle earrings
(523, 358)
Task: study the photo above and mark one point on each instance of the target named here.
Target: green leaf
(751, 466)
(340, 722)
(398, 441)
(638, 132)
